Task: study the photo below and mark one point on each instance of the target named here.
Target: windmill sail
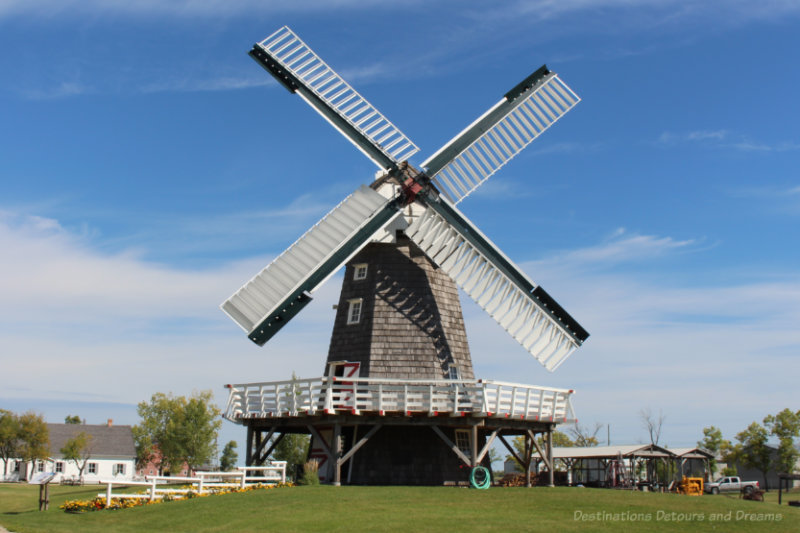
(269, 300)
(521, 307)
(495, 138)
(284, 55)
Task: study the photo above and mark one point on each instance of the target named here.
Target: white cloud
(62, 90)
(726, 139)
(119, 328)
(620, 247)
(692, 136)
(225, 83)
(658, 343)
(178, 8)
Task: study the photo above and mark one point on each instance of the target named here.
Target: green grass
(351, 509)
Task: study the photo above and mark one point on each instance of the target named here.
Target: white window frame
(359, 271)
(59, 467)
(453, 372)
(464, 441)
(91, 468)
(119, 469)
(355, 309)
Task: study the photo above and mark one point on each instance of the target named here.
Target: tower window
(453, 373)
(463, 442)
(354, 311)
(359, 271)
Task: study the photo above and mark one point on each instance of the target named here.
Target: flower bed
(99, 503)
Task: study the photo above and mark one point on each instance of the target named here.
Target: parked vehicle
(731, 484)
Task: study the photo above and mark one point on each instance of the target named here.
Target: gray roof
(113, 441)
(610, 452)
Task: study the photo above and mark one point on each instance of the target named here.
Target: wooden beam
(511, 450)
(360, 443)
(322, 442)
(543, 455)
(272, 446)
(486, 446)
(452, 446)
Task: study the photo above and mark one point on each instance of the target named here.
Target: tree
(229, 456)
(293, 448)
(192, 431)
(714, 444)
(34, 438)
(149, 435)
(582, 437)
(785, 426)
(78, 449)
(9, 438)
(652, 424)
(72, 419)
(177, 430)
(752, 450)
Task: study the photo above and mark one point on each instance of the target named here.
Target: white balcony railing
(330, 395)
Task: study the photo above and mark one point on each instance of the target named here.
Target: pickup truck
(731, 484)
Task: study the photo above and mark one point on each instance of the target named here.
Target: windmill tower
(398, 401)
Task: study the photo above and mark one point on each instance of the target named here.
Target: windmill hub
(398, 401)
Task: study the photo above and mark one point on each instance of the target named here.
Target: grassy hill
(350, 509)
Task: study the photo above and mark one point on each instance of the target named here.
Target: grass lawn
(350, 509)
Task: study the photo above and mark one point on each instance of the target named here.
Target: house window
(452, 372)
(60, 467)
(91, 468)
(463, 442)
(40, 466)
(359, 271)
(119, 469)
(354, 311)
(16, 466)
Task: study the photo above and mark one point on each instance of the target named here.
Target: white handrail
(490, 398)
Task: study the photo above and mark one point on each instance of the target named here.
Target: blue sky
(148, 168)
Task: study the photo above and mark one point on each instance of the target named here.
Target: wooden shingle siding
(411, 325)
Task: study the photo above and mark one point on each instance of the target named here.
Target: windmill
(406, 246)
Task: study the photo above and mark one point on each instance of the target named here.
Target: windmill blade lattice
(524, 310)
(277, 293)
(302, 70)
(452, 242)
(495, 138)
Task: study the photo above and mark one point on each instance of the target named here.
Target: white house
(112, 454)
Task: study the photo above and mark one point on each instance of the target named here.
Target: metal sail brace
(269, 300)
(530, 315)
(490, 142)
(284, 55)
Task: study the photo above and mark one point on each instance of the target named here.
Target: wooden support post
(549, 446)
(337, 452)
(473, 441)
(248, 458)
(542, 454)
(528, 453)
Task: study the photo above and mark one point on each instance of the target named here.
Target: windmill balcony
(397, 397)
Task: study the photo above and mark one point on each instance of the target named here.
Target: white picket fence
(357, 396)
(200, 483)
